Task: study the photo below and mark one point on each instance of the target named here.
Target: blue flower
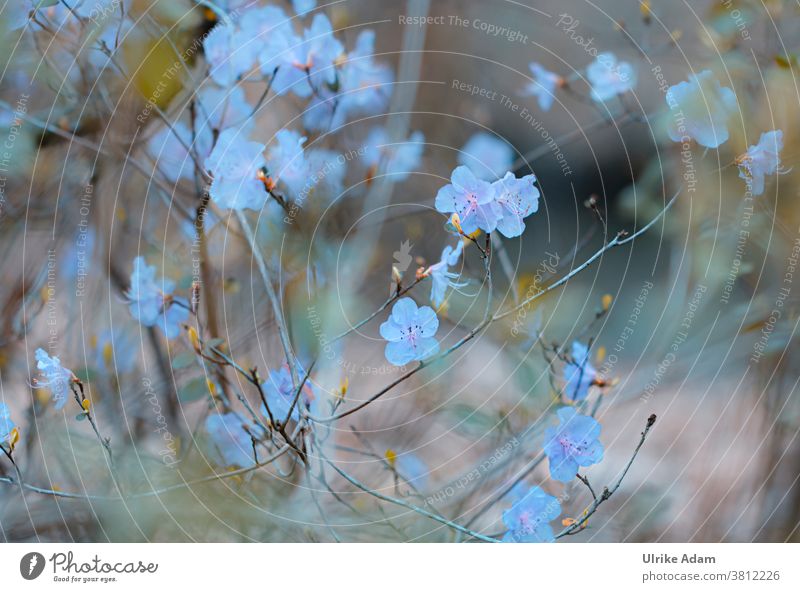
(231, 442)
(701, 109)
(280, 392)
(760, 160)
(518, 199)
(410, 332)
(304, 65)
(400, 159)
(6, 425)
(299, 172)
(579, 374)
(152, 301)
(441, 277)
(487, 156)
(261, 35)
(543, 86)
(235, 163)
(610, 78)
(472, 199)
(572, 444)
(220, 51)
(528, 520)
(220, 108)
(303, 7)
(54, 377)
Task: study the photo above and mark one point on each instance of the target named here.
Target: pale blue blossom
(579, 374)
(528, 520)
(441, 276)
(761, 160)
(114, 351)
(701, 108)
(54, 377)
(261, 35)
(231, 442)
(220, 51)
(572, 444)
(152, 302)
(6, 425)
(410, 332)
(235, 163)
(303, 7)
(221, 108)
(544, 85)
(280, 392)
(487, 156)
(518, 199)
(472, 199)
(170, 148)
(610, 78)
(304, 65)
(399, 159)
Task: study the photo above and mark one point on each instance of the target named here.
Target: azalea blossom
(303, 7)
(152, 302)
(761, 160)
(400, 159)
(363, 87)
(472, 199)
(231, 442)
(487, 156)
(280, 392)
(301, 171)
(572, 444)
(219, 48)
(303, 65)
(518, 199)
(410, 332)
(221, 108)
(6, 425)
(579, 374)
(441, 277)
(701, 108)
(261, 34)
(544, 85)
(55, 377)
(528, 520)
(235, 163)
(610, 78)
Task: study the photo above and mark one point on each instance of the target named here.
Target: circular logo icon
(31, 565)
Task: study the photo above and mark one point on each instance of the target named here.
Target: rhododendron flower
(152, 302)
(363, 87)
(761, 160)
(472, 199)
(543, 86)
(572, 444)
(304, 65)
(410, 332)
(6, 425)
(261, 34)
(279, 392)
(487, 156)
(221, 108)
(528, 520)
(303, 7)
(441, 277)
(400, 159)
(54, 377)
(701, 108)
(231, 442)
(579, 374)
(610, 78)
(518, 199)
(301, 172)
(220, 50)
(234, 163)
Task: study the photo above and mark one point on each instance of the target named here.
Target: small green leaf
(80, 416)
(194, 390)
(183, 360)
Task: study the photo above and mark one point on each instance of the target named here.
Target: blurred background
(683, 320)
